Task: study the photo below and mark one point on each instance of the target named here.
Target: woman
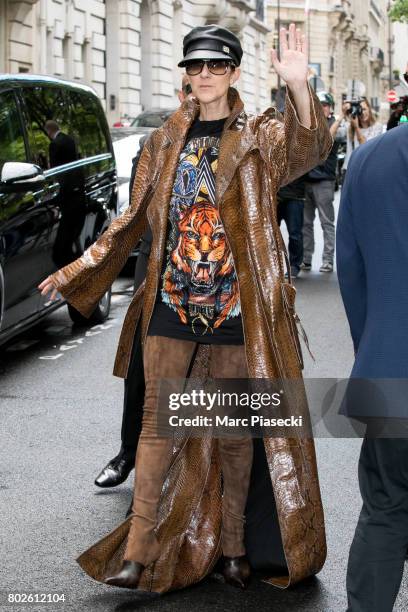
(206, 184)
(361, 128)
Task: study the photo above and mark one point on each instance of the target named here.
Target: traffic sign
(392, 96)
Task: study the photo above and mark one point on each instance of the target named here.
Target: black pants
(134, 383)
(379, 548)
(291, 211)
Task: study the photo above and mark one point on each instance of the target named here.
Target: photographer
(363, 125)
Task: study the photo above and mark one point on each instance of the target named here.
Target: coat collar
(178, 124)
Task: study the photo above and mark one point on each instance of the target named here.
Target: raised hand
(293, 64)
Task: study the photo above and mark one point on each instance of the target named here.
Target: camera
(355, 109)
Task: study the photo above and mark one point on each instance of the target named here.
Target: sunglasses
(217, 67)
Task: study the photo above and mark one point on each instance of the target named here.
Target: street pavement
(60, 411)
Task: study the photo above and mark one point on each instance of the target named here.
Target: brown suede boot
(163, 358)
(236, 464)
(128, 577)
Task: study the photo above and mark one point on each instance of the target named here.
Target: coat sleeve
(83, 282)
(350, 263)
(291, 148)
(135, 162)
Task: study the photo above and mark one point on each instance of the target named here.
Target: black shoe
(236, 571)
(128, 577)
(116, 471)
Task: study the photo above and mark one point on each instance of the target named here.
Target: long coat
(257, 155)
(372, 256)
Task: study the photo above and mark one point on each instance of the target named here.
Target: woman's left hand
(48, 286)
(293, 64)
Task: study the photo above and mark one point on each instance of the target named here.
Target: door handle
(49, 192)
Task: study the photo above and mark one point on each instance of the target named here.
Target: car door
(63, 197)
(99, 170)
(22, 225)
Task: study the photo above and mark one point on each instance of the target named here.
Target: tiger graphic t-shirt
(198, 297)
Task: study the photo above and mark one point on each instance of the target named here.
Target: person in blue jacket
(372, 264)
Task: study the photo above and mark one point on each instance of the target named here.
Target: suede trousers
(170, 358)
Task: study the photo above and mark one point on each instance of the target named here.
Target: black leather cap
(211, 42)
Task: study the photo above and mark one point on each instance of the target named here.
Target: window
(259, 10)
(88, 124)
(11, 133)
(154, 119)
(41, 105)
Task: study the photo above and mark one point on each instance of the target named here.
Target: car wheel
(99, 315)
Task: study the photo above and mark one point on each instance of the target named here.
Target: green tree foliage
(399, 11)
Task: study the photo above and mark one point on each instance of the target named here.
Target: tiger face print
(202, 253)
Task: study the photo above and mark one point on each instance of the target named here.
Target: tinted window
(43, 104)
(12, 147)
(150, 120)
(88, 124)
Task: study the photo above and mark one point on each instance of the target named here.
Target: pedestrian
(206, 183)
(319, 195)
(119, 467)
(372, 251)
(397, 110)
(63, 150)
(291, 199)
(361, 128)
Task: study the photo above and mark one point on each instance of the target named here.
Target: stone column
(113, 61)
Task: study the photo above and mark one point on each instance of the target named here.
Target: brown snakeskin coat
(257, 155)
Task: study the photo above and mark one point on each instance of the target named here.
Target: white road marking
(73, 344)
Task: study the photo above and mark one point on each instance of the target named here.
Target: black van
(58, 191)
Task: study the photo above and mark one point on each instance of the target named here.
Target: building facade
(400, 47)
(348, 39)
(128, 50)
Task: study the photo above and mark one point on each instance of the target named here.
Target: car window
(11, 134)
(88, 124)
(43, 104)
(149, 120)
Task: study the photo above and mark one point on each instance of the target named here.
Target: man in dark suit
(372, 259)
(63, 150)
